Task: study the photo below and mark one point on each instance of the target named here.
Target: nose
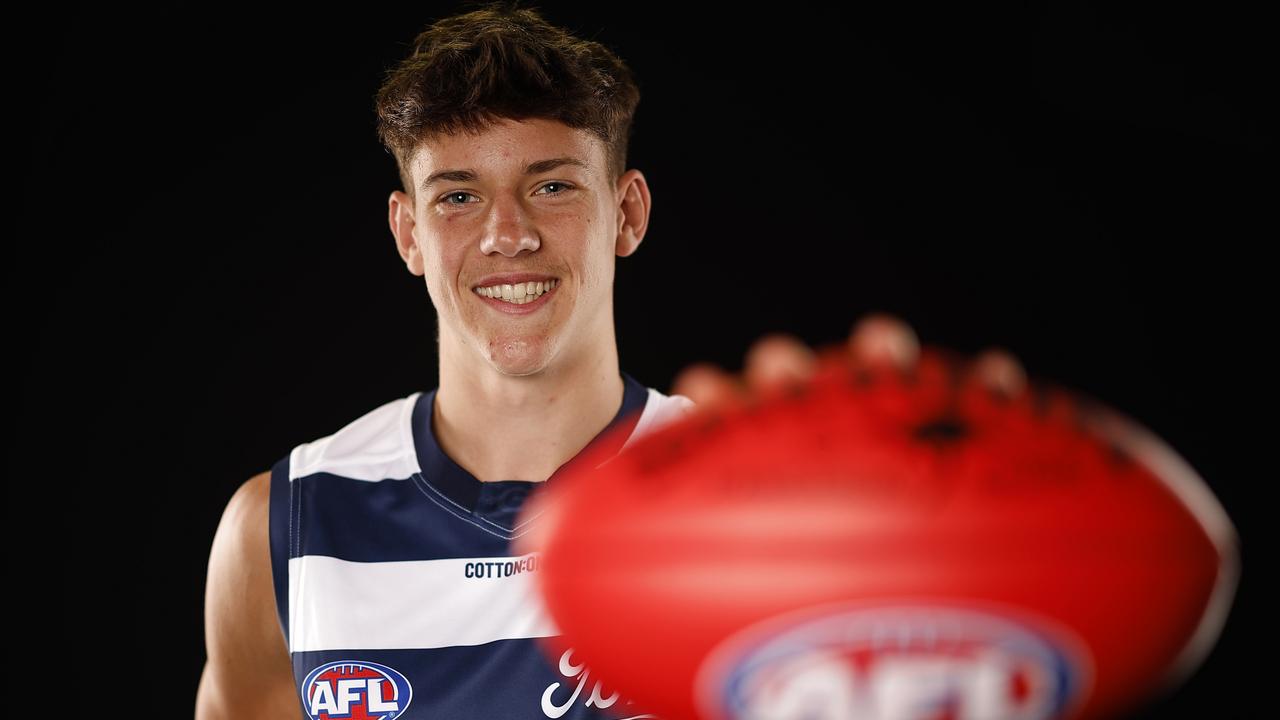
(508, 233)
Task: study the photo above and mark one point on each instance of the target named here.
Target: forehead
(508, 147)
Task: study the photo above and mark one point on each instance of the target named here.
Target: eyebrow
(534, 168)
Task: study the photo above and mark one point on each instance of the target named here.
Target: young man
(370, 573)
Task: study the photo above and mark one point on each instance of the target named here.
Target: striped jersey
(396, 584)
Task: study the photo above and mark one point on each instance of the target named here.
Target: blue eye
(455, 194)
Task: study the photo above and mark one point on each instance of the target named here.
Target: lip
(512, 309)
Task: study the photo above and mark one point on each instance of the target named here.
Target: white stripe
(340, 604)
(376, 446)
(379, 446)
(658, 410)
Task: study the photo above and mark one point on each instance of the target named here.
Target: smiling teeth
(518, 294)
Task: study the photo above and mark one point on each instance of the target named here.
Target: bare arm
(247, 673)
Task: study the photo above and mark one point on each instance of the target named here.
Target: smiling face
(524, 201)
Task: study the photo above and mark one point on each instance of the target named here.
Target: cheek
(602, 263)
(437, 258)
(437, 275)
(597, 250)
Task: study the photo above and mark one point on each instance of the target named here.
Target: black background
(203, 276)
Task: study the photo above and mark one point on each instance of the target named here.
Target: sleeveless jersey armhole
(281, 530)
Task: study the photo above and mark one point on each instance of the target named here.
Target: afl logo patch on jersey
(355, 689)
(896, 662)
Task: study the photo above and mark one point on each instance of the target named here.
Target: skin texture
(519, 395)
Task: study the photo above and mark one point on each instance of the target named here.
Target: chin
(518, 357)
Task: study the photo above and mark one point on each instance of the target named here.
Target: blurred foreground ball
(888, 546)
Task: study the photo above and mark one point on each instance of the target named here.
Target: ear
(634, 203)
(400, 216)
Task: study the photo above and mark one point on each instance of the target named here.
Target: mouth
(517, 298)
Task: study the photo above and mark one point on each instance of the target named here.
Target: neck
(506, 427)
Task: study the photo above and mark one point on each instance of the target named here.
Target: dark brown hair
(501, 61)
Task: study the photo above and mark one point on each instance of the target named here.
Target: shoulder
(240, 553)
(245, 513)
(374, 446)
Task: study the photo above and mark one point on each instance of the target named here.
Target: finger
(707, 385)
(880, 338)
(778, 359)
(999, 370)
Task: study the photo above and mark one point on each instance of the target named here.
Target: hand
(780, 359)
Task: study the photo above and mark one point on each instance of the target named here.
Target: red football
(888, 545)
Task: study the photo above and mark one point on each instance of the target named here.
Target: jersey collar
(504, 496)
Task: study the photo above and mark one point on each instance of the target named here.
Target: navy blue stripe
(278, 512)
(390, 520)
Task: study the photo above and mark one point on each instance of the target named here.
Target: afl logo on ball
(897, 662)
(355, 689)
